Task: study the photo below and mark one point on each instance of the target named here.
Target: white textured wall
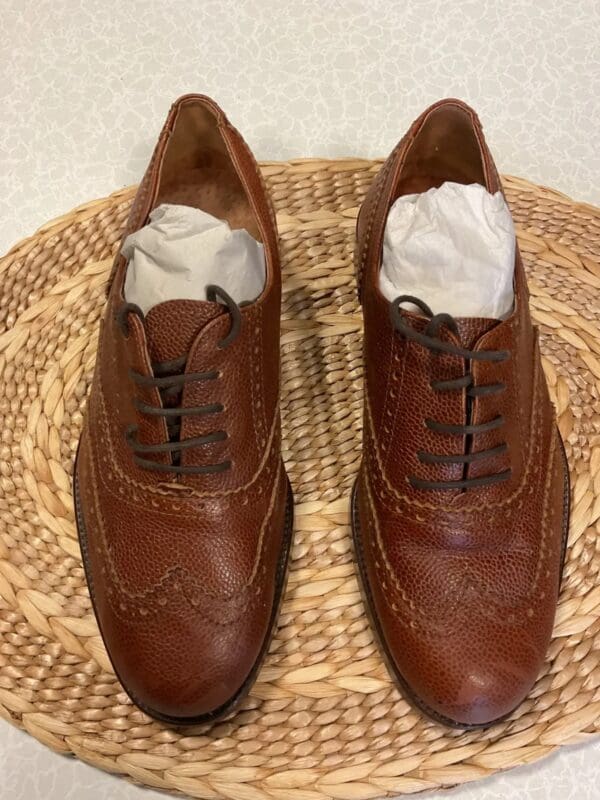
(85, 85)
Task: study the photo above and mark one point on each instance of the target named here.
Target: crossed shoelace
(169, 377)
(430, 339)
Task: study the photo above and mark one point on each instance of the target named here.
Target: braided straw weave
(324, 719)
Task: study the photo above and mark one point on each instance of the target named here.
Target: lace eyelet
(123, 324)
(130, 432)
(121, 317)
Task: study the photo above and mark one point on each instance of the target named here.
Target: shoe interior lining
(197, 171)
(444, 149)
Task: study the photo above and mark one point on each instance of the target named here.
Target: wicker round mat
(324, 719)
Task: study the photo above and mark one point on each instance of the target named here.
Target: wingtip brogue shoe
(183, 505)
(460, 508)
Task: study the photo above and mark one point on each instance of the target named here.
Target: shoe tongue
(471, 329)
(172, 326)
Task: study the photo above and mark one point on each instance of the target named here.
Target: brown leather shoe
(460, 508)
(185, 519)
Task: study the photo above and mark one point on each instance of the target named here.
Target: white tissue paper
(182, 250)
(452, 247)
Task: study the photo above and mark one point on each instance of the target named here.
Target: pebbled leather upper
(463, 583)
(183, 569)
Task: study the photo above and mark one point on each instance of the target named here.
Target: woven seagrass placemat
(324, 720)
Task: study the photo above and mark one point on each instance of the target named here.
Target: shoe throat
(172, 326)
(458, 337)
(171, 329)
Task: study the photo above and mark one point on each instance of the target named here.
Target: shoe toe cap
(479, 696)
(475, 682)
(185, 670)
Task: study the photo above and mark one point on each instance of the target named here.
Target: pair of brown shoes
(183, 504)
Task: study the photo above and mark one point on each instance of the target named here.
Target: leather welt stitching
(533, 429)
(543, 552)
(390, 436)
(381, 548)
(261, 388)
(390, 375)
(425, 621)
(257, 372)
(382, 177)
(251, 362)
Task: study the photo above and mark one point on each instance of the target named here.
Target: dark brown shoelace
(430, 339)
(169, 378)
